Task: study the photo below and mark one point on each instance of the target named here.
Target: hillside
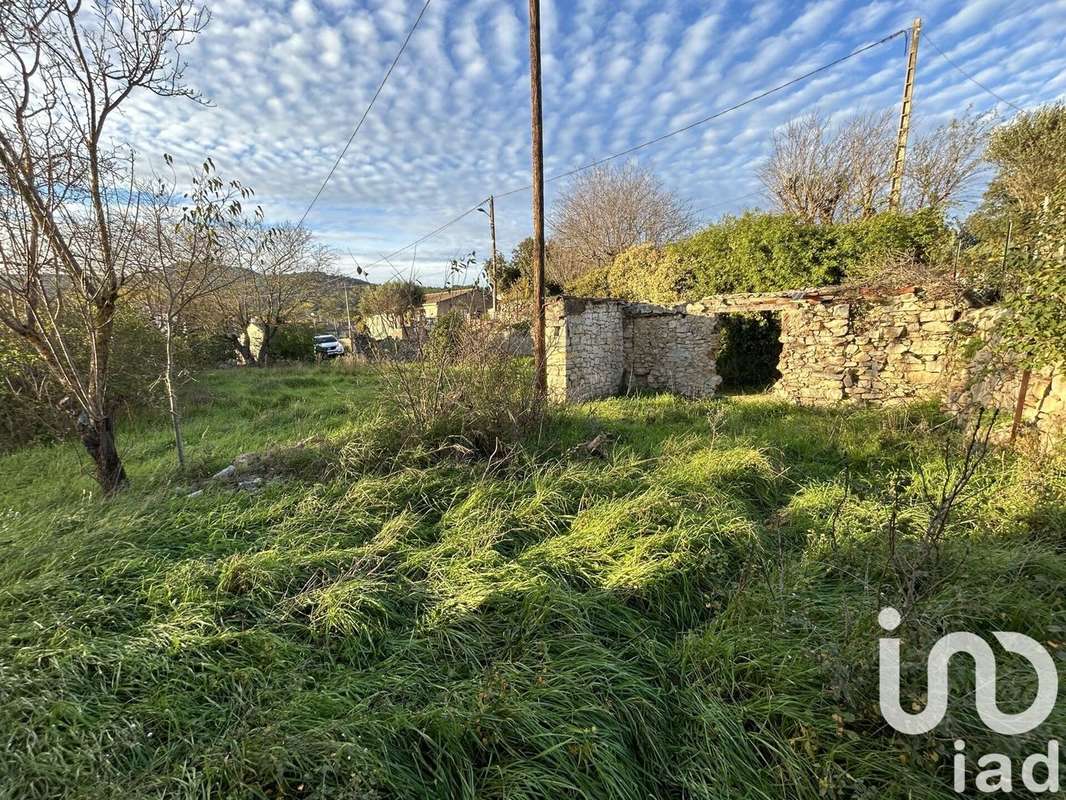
(691, 614)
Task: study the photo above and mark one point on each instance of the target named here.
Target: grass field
(691, 616)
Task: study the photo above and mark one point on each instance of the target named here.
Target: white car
(327, 346)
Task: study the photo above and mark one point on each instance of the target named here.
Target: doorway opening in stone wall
(749, 352)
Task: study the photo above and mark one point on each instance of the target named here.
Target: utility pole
(348, 314)
(896, 195)
(491, 214)
(492, 230)
(540, 360)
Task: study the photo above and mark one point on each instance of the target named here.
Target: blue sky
(288, 79)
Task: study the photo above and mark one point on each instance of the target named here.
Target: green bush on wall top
(765, 253)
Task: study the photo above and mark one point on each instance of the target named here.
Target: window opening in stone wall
(749, 352)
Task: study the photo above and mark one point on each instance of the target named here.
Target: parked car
(327, 346)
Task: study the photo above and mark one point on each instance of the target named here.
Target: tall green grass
(676, 620)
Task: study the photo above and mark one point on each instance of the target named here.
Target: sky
(287, 80)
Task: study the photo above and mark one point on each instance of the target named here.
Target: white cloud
(330, 43)
(289, 80)
(303, 12)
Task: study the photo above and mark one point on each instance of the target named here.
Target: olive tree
(395, 301)
(275, 276)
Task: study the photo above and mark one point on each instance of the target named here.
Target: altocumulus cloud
(288, 79)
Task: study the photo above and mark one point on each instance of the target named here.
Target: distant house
(466, 302)
(473, 302)
(389, 326)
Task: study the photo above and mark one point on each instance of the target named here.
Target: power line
(714, 116)
(429, 235)
(667, 135)
(362, 119)
(971, 78)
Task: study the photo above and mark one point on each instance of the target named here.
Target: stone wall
(981, 376)
(838, 344)
(599, 348)
(885, 351)
(583, 340)
(907, 347)
(670, 352)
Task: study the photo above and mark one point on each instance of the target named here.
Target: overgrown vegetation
(749, 352)
(691, 614)
(766, 253)
(464, 390)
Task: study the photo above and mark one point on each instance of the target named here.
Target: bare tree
(397, 303)
(827, 174)
(273, 280)
(68, 205)
(866, 147)
(807, 173)
(608, 210)
(944, 162)
(184, 262)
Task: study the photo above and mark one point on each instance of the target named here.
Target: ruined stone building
(837, 344)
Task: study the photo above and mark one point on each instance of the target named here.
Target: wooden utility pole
(540, 360)
(896, 195)
(1019, 405)
(495, 273)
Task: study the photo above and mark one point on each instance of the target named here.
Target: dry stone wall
(599, 348)
(906, 348)
(672, 352)
(837, 345)
(982, 376)
(876, 352)
(584, 349)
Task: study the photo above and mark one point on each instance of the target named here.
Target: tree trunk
(98, 436)
(172, 396)
(264, 350)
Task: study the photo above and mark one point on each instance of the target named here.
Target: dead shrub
(466, 390)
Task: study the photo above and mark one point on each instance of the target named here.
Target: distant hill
(336, 281)
(328, 309)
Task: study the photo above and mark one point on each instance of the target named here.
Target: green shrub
(445, 337)
(294, 342)
(203, 349)
(1036, 326)
(28, 397)
(762, 253)
(465, 391)
(31, 398)
(766, 253)
(393, 298)
(750, 349)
